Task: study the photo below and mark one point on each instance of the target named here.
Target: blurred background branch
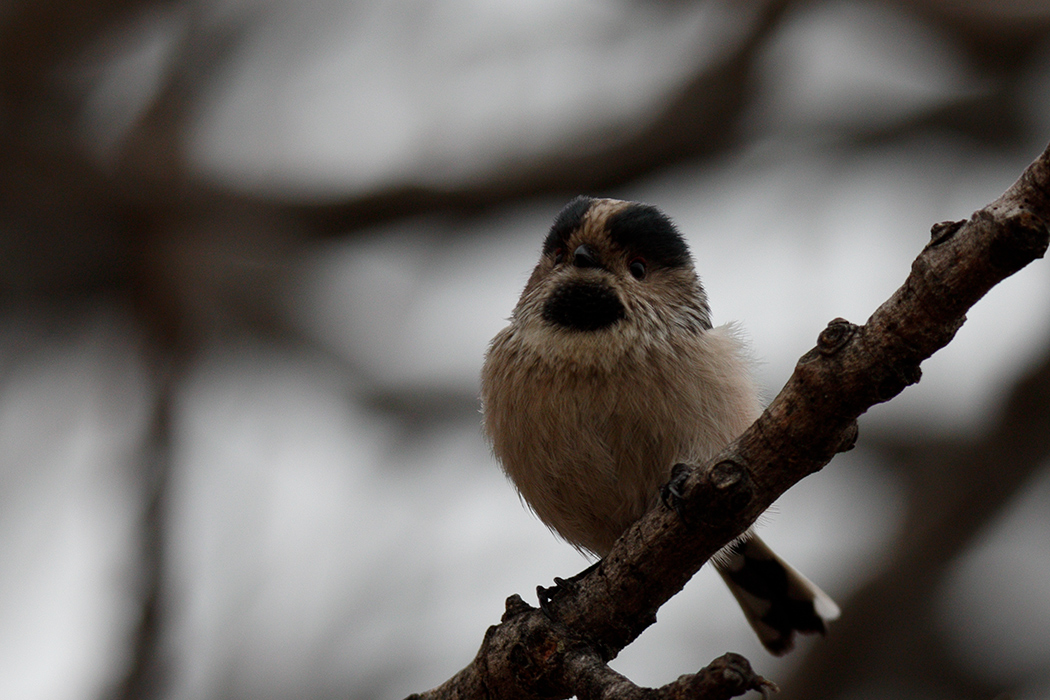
(250, 253)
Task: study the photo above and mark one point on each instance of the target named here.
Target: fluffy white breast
(588, 435)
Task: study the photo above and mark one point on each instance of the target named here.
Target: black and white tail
(777, 600)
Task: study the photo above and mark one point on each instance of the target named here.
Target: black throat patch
(583, 306)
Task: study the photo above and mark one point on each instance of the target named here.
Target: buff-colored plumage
(588, 423)
(586, 444)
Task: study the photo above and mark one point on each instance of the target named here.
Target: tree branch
(535, 653)
(726, 677)
(890, 621)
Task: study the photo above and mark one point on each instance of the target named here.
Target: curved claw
(671, 493)
(561, 586)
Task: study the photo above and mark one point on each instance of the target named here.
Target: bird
(608, 374)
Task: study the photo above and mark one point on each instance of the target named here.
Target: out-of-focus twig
(702, 119)
(148, 670)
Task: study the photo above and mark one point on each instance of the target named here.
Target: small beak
(584, 256)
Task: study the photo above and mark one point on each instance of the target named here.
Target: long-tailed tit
(610, 373)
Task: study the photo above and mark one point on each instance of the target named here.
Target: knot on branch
(732, 479)
(732, 490)
(849, 438)
(835, 336)
(1025, 237)
(720, 493)
(896, 379)
(515, 606)
(941, 232)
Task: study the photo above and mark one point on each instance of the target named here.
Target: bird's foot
(671, 493)
(562, 586)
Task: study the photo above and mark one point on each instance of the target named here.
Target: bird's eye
(559, 256)
(637, 268)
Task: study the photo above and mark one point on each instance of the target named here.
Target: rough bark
(890, 622)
